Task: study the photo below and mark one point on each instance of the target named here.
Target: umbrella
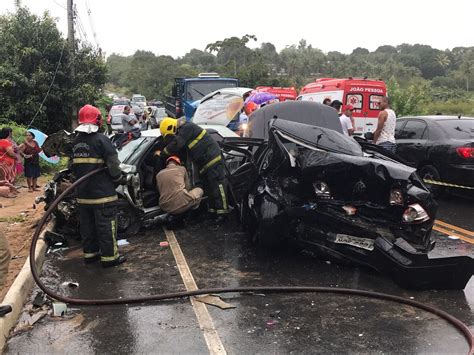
(261, 98)
(40, 137)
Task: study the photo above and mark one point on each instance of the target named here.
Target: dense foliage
(30, 52)
(421, 79)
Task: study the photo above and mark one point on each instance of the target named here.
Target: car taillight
(465, 152)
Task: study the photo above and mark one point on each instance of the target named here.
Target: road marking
(213, 341)
(448, 232)
(456, 228)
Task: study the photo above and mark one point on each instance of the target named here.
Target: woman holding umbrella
(30, 150)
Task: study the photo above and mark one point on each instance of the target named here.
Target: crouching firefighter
(176, 194)
(96, 197)
(205, 152)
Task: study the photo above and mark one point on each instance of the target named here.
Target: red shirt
(4, 157)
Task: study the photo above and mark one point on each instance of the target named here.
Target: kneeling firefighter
(96, 197)
(205, 152)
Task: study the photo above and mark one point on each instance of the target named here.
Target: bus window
(374, 101)
(354, 100)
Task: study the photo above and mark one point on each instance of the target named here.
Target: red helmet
(90, 114)
(174, 158)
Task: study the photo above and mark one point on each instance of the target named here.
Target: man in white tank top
(384, 135)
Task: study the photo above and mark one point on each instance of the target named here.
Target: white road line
(213, 341)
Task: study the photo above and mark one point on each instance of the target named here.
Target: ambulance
(362, 93)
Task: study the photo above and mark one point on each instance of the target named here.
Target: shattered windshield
(133, 149)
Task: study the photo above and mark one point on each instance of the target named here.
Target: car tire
(429, 172)
(127, 221)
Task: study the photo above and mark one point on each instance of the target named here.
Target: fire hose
(463, 328)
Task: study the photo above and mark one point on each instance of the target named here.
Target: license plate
(363, 243)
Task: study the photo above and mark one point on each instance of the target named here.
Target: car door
(411, 141)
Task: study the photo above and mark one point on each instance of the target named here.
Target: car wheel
(429, 172)
(127, 221)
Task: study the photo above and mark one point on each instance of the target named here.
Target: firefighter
(205, 152)
(96, 197)
(176, 195)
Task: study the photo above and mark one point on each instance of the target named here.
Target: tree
(34, 61)
(406, 101)
(232, 53)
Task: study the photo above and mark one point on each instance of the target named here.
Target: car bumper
(388, 253)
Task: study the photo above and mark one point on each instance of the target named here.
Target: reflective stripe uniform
(205, 152)
(96, 197)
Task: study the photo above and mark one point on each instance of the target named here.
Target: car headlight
(321, 189)
(415, 214)
(396, 196)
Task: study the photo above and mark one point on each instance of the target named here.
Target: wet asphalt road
(271, 323)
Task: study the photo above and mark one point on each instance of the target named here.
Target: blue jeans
(392, 147)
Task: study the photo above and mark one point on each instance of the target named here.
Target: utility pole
(72, 47)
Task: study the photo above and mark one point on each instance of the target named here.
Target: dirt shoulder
(18, 218)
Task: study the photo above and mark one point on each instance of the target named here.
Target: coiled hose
(463, 328)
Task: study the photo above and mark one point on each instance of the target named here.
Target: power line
(50, 86)
(91, 22)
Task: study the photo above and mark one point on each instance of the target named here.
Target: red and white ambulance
(363, 94)
(283, 94)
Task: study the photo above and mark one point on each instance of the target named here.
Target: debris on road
(55, 240)
(164, 244)
(39, 300)
(70, 284)
(59, 309)
(272, 322)
(122, 242)
(214, 300)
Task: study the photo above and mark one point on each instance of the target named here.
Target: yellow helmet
(168, 126)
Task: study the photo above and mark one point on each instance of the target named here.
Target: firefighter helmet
(168, 126)
(89, 114)
(174, 158)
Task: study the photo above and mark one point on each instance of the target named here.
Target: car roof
(222, 130)
(438, 117)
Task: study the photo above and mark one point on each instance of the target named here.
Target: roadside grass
(13, 219)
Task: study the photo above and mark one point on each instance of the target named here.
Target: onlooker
(327, 101)
(346, 121)
(8, 157)
(30, 150)
(336, 104)
(128, 120)
(176, 195)
(384, 135)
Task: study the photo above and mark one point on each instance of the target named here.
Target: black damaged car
(302, 181)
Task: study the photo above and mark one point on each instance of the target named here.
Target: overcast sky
(174, 27)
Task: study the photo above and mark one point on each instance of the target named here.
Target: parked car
(312, 186)
(122, 101)
(139, 100)
(138, 200)
(440, 147)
